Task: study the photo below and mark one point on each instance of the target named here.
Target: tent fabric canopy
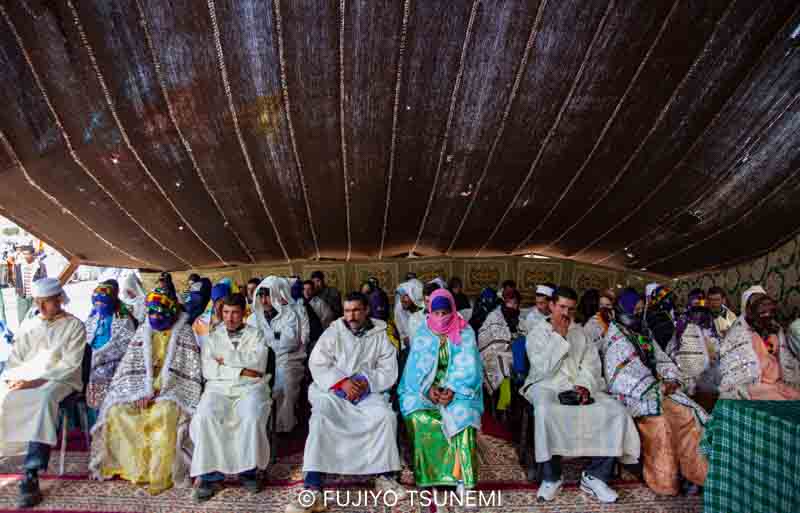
(183, 134)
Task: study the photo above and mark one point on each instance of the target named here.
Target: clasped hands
(439, 395)
(670, 387)
(246, 373)
(353, 389)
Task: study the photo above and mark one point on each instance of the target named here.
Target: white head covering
(544, 290)
(439, 281)
(48, 287)
(413, 289)
(129, 281)
(650, 288)
(274, 284)
(755, 289)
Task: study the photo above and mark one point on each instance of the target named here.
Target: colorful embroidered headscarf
(104, 294)
(660, 295)
(450, 324)
(159, 302)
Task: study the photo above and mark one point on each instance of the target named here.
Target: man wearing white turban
(281, 328)
(44, 367)
(408, 299)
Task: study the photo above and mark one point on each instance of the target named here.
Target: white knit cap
(755, 289)
(48, 287)
(544, 290)
(650, 288)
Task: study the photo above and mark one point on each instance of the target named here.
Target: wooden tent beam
(68, 271)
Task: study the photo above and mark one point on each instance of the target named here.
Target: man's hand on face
(26, 384)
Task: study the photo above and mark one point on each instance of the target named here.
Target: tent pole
(67, 273)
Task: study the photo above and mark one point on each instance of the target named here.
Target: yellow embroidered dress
(144, 439)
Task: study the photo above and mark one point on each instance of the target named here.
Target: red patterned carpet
(499, 470)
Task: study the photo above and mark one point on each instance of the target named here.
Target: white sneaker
(598, 488)
(549, 489)
(300, 502)
(384, 484)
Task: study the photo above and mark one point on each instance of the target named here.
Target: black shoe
(205, 491)
(29, 493)
(252, 485)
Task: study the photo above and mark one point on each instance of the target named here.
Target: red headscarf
(452, 323)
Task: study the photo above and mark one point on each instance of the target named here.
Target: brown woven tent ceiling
(637, 133)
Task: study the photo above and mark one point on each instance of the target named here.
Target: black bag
(572, 398)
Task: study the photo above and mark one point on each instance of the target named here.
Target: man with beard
(353, 429)
(574, 415)
(501, 327)
(642, 376)
(541, 310)
(724, 317)
(756, 361)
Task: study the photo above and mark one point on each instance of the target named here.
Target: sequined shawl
(181, 383)
(739, 363)
(632, 382)
(106, 359)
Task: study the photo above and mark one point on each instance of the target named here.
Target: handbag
(572, 398)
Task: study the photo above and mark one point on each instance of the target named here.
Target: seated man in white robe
(229, 428)
(353, 429)
(281, 328)
(573, 416)
(44, 368)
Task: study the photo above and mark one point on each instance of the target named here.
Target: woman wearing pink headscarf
(441, 397)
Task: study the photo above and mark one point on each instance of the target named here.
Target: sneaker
(548, 490)
(205, 491)
(29, 493)
(598, 488)
(300, 501)
(384, 484)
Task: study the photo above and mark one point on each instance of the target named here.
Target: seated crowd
(181, 387)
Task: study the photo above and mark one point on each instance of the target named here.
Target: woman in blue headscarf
(109, 329)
